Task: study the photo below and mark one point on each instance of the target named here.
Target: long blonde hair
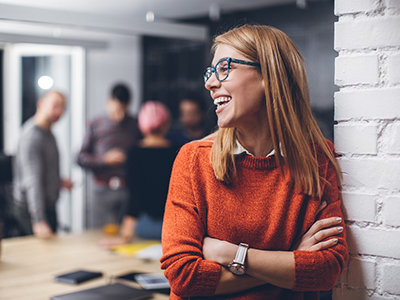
(294, 131)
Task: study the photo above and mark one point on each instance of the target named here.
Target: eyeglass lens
(221, 70)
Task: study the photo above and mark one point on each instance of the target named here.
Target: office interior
(161, 58)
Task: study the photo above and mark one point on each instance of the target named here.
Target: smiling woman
(253, 221)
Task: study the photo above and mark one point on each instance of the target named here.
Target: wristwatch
(237, 266)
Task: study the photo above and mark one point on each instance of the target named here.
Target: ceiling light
(45, 82)
(150, 16)
(214, 12)
(302, 4)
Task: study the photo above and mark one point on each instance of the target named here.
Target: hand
(67, 184)
(42, 230)
(127, 233)
(218, 251)
(114, 157)
(128, 227)
(112, 242)
(313, 239)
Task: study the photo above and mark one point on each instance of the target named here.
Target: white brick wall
(356, 138)
(357, 69)
(367, 33)
(352, 203)
(394, 67)
(391, 212)
(367, 104)
(367, 135)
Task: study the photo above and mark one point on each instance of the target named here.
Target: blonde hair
(294, 131)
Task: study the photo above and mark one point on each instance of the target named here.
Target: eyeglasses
(223, 66)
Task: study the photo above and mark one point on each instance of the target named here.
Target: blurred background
(160, 48)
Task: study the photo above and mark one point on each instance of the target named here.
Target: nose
(212, 82)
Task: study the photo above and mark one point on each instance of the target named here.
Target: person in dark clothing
(103, 152)
(192, 121)
(148, 169)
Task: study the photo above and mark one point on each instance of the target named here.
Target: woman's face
(240, 99)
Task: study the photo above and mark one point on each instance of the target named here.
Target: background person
(104, 153)
(37, 180)
(149, 167)
(256, 185)
(192, 125)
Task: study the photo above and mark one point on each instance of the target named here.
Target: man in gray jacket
(37, 180)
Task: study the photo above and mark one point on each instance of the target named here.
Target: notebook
(115, 291)
(77, 277)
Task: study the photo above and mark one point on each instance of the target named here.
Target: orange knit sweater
(261, 209)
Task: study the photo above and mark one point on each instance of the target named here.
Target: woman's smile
(221, 103)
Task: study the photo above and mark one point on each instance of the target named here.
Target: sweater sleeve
(33, 170)
(183, 232)
(319, 270)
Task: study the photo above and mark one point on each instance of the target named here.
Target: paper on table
(132, 249)
(153, 252)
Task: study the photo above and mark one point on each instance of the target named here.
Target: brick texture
(379, 103)
(394, 67)
(367, 135)
(362, 273)
(392, 140)
(361, 139)
(360, 69)
(346, 6)
(391, 212)
(359, 207)
(341, 294)
(393, 3)
(390, 275)
(367, 33)
(374, 241)
(371, 173)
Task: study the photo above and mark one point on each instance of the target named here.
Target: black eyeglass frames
(223, 66)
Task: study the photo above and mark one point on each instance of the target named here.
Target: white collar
(240, 149)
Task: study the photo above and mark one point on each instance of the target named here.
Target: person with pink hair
(149, 165)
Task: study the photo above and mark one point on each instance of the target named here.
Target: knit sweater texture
(36, 171)
(261, 208)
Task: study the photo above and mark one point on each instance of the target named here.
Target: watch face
(237, 269)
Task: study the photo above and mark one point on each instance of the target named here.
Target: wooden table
(28, 265)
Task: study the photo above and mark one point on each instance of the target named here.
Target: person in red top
(242, 202)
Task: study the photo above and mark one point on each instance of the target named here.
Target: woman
(148, 169)
(259, 181)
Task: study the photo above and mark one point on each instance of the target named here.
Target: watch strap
(241, 254)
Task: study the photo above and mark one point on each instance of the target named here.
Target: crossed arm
(196, 266)
(274, 267)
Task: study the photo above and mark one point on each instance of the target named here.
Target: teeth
(221, 100)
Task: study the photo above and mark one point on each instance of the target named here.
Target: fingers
(324, 223)
(324, 245)
(323, 234)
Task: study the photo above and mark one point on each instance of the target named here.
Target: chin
(224, 124)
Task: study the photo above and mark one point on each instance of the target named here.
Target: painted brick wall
(367, 136)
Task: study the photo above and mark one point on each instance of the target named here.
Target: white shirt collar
(240, 149)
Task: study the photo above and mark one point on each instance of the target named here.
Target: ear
(39, 104)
